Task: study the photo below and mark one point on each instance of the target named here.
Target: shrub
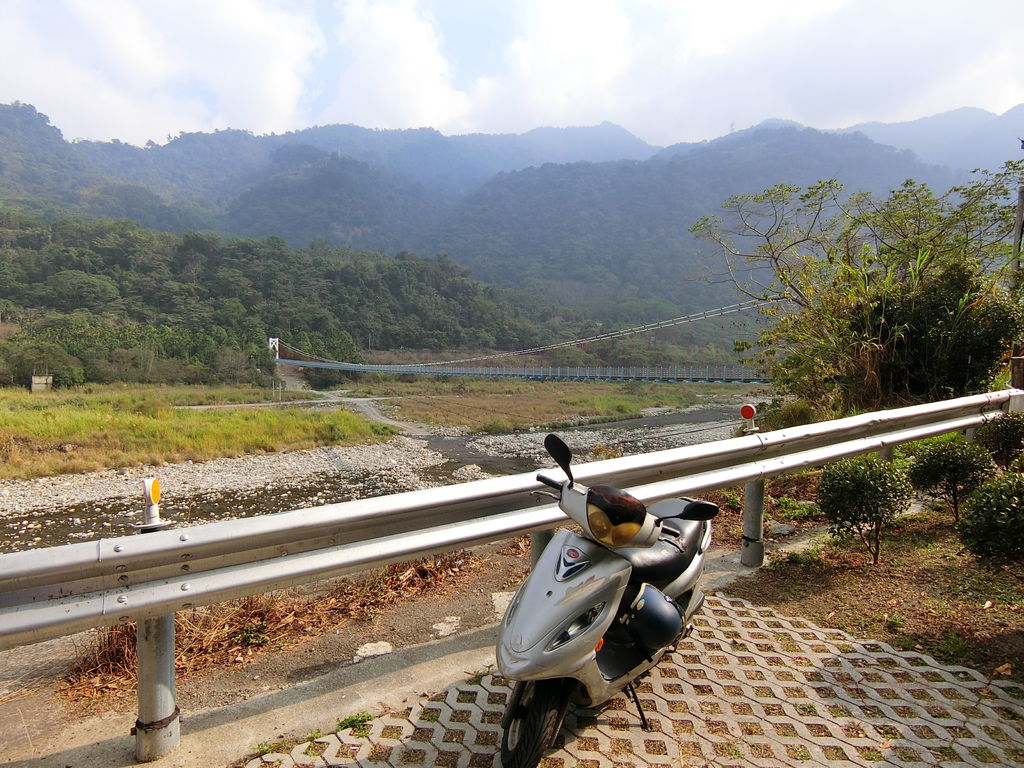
(1003, 437)
(860, 496)
(992, 527)
(787, 508)
(950, 470)
(788, 413)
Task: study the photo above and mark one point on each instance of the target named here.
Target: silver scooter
(599, 609)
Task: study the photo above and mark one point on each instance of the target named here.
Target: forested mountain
(592, 217)
(590, 233)
(110, 300)
(338, 199)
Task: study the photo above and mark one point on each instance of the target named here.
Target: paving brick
(749, 688)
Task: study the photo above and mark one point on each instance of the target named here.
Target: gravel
(93, 500)
(401, 460)
(628, 441)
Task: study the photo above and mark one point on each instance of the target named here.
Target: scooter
(599, 609)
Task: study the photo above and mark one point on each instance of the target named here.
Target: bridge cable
(622, 333)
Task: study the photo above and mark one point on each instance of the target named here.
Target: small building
(41, 382)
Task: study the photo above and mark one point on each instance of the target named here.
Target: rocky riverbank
(57, 510)
(401, 459)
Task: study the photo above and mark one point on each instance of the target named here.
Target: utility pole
(1018, 231)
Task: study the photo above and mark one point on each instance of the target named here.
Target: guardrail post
(158, 728)
(752, 550)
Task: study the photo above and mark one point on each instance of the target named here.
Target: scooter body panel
(573, 576)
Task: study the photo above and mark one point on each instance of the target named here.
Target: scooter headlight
(608, 533)
(576, 627)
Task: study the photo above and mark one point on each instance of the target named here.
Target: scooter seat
(675, 549)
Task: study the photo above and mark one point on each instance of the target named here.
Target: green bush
(992, 527)
(786, 413)
(950, 470)
(787, 508)
(1003, 437)
(860, 496)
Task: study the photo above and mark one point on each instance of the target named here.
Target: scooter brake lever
(554, 496)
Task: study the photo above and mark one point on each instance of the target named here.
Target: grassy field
(107, 427)
(113, 426)
(503, 405)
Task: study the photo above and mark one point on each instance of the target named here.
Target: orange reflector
(152, 490)
(600, 645)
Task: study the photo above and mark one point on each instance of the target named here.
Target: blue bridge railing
(669, 373)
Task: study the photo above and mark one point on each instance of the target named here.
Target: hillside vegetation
(591, 217)
(105, 301)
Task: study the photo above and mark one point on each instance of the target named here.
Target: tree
(1003, 437)
(876, 302)
(862, 495)
(951, 470)
(27, 357)
(993, 523)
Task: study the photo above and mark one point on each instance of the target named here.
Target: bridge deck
(686, 373)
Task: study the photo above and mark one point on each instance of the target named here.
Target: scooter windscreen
(617, 519)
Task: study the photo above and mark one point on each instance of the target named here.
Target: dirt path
(365, 406)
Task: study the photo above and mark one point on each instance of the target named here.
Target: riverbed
(47, 512)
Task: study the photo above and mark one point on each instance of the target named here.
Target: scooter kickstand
(636, 700)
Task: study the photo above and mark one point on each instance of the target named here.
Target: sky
(666, 70)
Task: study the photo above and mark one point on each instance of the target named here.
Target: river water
(454, 459)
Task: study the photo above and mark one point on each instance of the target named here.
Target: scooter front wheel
(536, 711)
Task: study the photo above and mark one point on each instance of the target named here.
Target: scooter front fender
(575, 582)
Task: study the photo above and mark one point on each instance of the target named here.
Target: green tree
(876, 302)
(993, 522)
(1003, 437)
(26, 357)
(950, 469)
(861, 496)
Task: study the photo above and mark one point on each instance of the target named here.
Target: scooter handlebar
(549, 482)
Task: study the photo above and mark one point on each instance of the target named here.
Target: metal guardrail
(51, 592)
(145, 579)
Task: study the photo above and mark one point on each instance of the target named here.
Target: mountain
(455, 165)
(965, 138)
(592, 216)
(588, 233)
(349, 203)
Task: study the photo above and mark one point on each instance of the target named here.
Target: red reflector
(600, 645)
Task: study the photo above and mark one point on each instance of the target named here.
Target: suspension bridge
(287, 355)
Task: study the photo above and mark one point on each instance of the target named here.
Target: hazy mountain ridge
(589, 215)
(964, 138)
(621, 226)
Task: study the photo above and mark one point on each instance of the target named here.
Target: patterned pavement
(748, 688)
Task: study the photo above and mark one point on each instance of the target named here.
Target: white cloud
(136, 71)
(665, 69)
(393, 73)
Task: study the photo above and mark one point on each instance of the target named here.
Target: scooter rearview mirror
(560, 452)
(699, 509)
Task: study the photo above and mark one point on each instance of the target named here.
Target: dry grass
(230, 633)
(503, 405)
(106, 428)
